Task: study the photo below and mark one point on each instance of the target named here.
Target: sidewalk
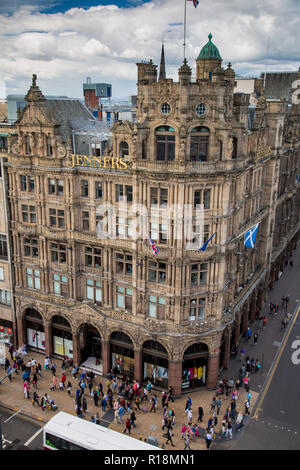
(149, 424)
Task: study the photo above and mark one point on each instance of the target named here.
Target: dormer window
(124, 149)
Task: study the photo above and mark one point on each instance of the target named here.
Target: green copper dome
(209, 51)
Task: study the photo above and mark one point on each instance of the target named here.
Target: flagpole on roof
(184, 29)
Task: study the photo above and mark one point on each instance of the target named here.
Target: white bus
(67, 432)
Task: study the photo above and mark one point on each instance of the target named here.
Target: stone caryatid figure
(32, 143)
(229, 148)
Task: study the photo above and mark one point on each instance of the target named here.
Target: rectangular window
(157, 272)
(197, 309)
(1, 274)
(159, 197)
(60, 285)
(84, 188)
(98, 190)
(123, 263)
(57, 218)
(27, 183)
(202, 197)
(5, 296)
(123, 192)
(159, 233)
(85, 220)
(124, 297)
(56, 186)
(28, 214)
(93, 257)
(31, 247)
(198, 274)
(94, 290)
(58, 253)
(33, 278)
(3, 247)
(124, 227)
(156, 307)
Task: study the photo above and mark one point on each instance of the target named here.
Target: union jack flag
(153, 246)
(195, 2)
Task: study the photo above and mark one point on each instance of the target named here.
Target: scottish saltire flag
(250, 236)
(204, 246)
(153, 246)
(195, 2)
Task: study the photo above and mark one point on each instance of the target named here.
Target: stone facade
(173, 317)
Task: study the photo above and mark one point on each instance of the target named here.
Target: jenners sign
(91, 161)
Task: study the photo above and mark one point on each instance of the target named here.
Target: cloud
(106, 41)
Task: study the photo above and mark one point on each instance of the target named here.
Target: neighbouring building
(170, 317)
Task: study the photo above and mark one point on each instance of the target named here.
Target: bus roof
(91, 435)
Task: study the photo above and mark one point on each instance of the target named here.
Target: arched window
(124, 149)
(165, 143)
(199, 144)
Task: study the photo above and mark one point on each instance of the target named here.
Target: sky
(65, 41)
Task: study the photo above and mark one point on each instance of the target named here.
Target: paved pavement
(12, 397)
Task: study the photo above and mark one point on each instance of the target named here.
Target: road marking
(277, 359)
(33, 437)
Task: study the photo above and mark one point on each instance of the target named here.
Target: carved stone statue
(40, 145)
(229, 148)
(32, 143)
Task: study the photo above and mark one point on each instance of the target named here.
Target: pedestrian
(239, 421)
(208, 439)
(248, 333)
(255, 338)
(61, 386)
(257, 366)
(63, 379)
(92, 419)
(223, 428)
(242, 353)
(26, 387)
(190, 416)
(127, 426)
(237, 384)
(213, 404)
(218, 405)
(133, 419)
(69, 388)
(153, 405)
(183, 431)
(103, 404)
(247, 406)
(170, 394)
(84, 405)
(96, 397)
(187, 442)
(145, 394)
(35, 399)
(121, 412)
(264, 321)
(169, 437)
(229, 430)
(97, 419)
(200, 414)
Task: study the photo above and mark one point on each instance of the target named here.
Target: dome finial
(210, 36)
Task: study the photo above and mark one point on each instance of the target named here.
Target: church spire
(162, 70)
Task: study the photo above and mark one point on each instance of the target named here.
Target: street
(18, 431)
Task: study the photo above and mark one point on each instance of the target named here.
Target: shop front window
(194, 366)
